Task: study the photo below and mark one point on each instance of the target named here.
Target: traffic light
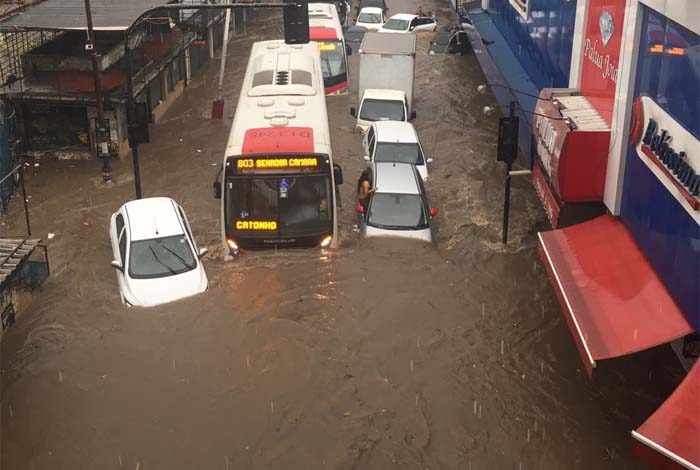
(507, 139)
(296, 22)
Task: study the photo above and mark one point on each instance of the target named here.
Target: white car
(395, 142)
(371, 18)
(399, 207)
(405, 23)
(381, 105)
(155, 256)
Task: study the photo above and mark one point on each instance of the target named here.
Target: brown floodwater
(380, 354)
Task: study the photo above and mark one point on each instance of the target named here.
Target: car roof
(384, 94)
(404, 16)
(395, 178)
(395, 131)
(153, 217)
(371, 10)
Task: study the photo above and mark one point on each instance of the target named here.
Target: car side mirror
(348, 50)
(429, 160)
(217, 189)
(413, 115)
(117, 265)
(366, 157)
(202, 253)
(353, 112)
(337, 174)
(411, 28)
(434, 212)
(360, 209)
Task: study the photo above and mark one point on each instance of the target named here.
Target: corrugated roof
(57, 15)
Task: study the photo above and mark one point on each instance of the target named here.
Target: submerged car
(450, 40)
(395, 142)
(405, 23)
(353, 37)
(155, 255)
(399, 206)
(371, 18)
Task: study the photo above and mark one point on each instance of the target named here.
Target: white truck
(386, 79)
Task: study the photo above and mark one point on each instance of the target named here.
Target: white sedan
(405, 23)
(371, 18)
(155, 256)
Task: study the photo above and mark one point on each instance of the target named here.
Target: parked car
(405, 23)
(353, 37)
(372, 3)
(450, 40)
(399, 207)
(371, 18)
(155, 255)
(394, 141)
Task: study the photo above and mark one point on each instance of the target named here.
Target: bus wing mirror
(117, 265)
(202, 252)
(217, 189)
(353, 112)
(337, 174)
(366, 157)
(348, 50)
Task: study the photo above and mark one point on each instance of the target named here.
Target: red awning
(613, 300)
(670, 438)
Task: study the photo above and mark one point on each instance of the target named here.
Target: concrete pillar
(622, 112)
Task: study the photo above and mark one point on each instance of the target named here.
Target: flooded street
(381, 354)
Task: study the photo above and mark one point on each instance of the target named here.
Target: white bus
(278, 181)
(325, 29)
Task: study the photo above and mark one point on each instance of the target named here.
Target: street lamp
(508, 142)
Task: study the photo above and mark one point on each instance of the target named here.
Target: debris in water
(247, 361)
(483, 310)
(173, 364)
(60, 376)
(138, 466)
(528, 435)
(502, 346)
(119, 458)
(226, 462)
(87, 223)
(475, 407)
(199, 150)
(51, 236)
(411, 365)
(346, 414)
(272, 406)
(480, 407)
(12, 414)
(36, 165)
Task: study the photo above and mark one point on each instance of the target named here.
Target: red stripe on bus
(334, 88)
(321, 32)
(278, 140)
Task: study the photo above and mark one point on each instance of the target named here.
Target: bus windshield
(283, 206)
(333, 63)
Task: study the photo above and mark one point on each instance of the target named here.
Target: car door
(363, 217)
(118, 235)
(188, 230)
(413, 24)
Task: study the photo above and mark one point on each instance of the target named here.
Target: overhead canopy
(613, 300)
(670, 438)
(61, 15)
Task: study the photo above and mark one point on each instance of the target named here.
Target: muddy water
(381, 354)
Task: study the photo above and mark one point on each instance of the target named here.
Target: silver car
(399, 207)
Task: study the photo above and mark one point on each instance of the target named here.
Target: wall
(543, 41)
(665, 229)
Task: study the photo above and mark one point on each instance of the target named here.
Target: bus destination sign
(284, 163)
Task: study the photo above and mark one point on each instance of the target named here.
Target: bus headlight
(326, 242)
(232, 244)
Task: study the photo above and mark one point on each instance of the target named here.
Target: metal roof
(61, 15)
(387, 43)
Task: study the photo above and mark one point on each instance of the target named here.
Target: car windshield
(332, 59)
(382, 110)
(397, 211)
(398, 153)
(160, 257)
(285, 206)
(373, 18)
(396, 24)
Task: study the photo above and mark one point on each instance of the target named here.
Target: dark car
(353, 37)
(450, 40)
(371, 3)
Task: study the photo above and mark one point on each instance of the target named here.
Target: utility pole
(509, 167)
(100, 126)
